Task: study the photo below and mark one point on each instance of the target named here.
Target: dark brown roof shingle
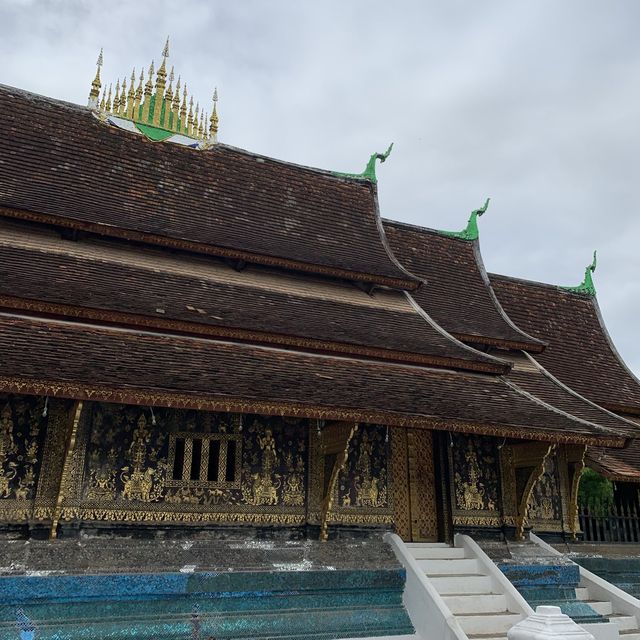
(457, 293)
(115, 365)
(59, 163)
(579, 352)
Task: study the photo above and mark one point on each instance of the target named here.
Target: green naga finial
(471, 231)
(586, 286)
(370, 170)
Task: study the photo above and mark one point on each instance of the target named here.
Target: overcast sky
(535, 104)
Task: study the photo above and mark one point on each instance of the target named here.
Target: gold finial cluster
(162, 108)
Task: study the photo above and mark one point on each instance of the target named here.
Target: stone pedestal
(546, 623)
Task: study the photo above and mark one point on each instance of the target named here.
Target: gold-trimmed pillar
(63, 486)
(422, 489)
(571, 466)
(400, 483)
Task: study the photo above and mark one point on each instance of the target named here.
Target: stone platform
(200, 588)
(132, 555)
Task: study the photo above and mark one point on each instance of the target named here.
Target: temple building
(194, 336)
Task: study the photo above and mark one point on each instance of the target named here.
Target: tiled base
(239, 605)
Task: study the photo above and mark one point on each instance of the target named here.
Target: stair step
(466, 566)
(582, 593)
(476, 603)
(423, 545)
(437, 553)
(601, 607)
(461, 585)
(625, 623)
(489, 624)
(630, 635)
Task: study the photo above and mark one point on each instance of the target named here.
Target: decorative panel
(362, 495)
(545, 506)
(23, 423)
(475, 478)
(188, 466)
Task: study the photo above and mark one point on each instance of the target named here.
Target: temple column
(571, 466)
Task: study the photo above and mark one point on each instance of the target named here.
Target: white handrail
(429, 614)
(515, 600)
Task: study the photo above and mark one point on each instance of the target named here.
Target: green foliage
(595, 492)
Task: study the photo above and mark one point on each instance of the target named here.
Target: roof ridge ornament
(471, 231)
(153, 108)
(369, 172)
(96, 84)
(586, 287)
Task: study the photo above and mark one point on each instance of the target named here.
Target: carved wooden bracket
(522, 465)
(336, 437)
(528, 461)
(575, 466)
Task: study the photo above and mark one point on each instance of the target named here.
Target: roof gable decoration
(159, 115)
(586, 287)
(369, 172)
(471, 232)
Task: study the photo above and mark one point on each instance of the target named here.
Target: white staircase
(627, 624)
(471, 594)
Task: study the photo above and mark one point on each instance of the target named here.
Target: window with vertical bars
(204, 460)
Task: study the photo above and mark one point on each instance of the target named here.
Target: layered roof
(619, 465)
(458, 294)
(532, 378)
(67, 359)
(132, 310)
(105, 281)
(580, 351)
(60, 164)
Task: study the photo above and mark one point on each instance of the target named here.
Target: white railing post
(546, 623)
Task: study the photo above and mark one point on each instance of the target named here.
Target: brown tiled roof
(116, 365)
(457, 293)
(529, 376)
(59, 164)
(579, 352)
(619, 465)
(111, 282)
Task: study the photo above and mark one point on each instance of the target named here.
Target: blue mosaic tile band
(235, 605)
(551, 584)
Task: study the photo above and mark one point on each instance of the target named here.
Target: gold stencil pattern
(422, 490)
(400, 483)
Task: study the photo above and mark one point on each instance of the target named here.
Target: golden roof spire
(165, 51)
(213, 121)
(190, 117)
(183, 111)
(176, 107)
(96, 84)
(148, 92)
(108, 103)
(123, 97)
(131, 95)
(156, 105)
(169, 118)
(116, 98)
